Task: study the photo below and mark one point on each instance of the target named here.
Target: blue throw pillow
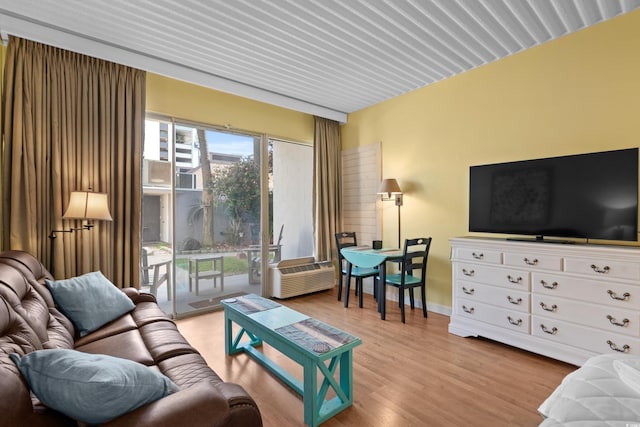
(90, 300)
(92, 388)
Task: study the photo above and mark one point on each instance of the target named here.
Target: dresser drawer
(584, 337)
(533, 261)
(509, 319)
(600, 292)
(481, 255)
(605, 269)
(502, 297)
(612, 319)
(496, 276)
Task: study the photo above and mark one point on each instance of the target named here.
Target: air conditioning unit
(300, 276)
(156, 173)
(185, 180)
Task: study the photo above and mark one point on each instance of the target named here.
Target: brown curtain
(72, 123)
(327, 175)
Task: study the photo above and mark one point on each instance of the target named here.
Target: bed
(605, 391)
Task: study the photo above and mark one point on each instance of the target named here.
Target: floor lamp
(390, 190)
(84, 205)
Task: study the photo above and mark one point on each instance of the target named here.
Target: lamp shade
(389, 187)
(88, 205)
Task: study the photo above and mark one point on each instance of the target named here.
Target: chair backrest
(345, 239)
(280, 235)
(415, 255)
(278, 252)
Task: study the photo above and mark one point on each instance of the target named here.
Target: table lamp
(84, 205)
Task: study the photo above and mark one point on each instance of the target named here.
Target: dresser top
(547, 246)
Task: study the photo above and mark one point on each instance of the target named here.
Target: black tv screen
(591, 196)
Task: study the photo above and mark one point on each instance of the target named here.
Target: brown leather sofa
(29, 321)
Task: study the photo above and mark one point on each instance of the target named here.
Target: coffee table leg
(346, 375)
(232, 345)
(316, 408)
(228, 331)
(310, 385)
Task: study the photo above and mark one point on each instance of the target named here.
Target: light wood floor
(413, 374)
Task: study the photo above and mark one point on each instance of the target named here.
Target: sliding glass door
(201, 210)
(220, 209)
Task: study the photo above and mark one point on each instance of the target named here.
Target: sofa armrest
(137, 296)
(199, 405)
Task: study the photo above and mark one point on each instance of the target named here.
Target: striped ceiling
(327, 57)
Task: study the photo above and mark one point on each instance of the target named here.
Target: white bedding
(596, 395)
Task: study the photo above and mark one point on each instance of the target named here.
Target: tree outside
(237, 187)
(207, 196)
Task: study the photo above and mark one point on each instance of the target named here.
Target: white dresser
(565, 301)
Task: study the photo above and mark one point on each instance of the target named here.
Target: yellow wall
(580, 93)
(182, 100)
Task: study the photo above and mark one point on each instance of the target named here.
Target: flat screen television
(586, 196)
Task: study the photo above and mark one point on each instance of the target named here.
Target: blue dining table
(367, 257)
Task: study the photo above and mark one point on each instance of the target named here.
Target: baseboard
(392, 295)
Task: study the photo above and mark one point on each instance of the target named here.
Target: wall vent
(300, 276)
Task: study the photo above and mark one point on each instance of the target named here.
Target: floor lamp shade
(389, 187)
(88, 205)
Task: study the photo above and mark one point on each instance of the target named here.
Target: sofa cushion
(126, 345)
(91, 388)
(90, 300)
(163, 340)
(187, 370)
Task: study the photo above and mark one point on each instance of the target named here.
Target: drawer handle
(477, 256)
(468, 310)
(530, 261)
(603, 270)
(551, 331)
(612, 320)
(549, 285)
(514, 322)
(615, 296)
(625, 348)
(547, 308)
(468, 291)
(469, 273)
(514, 301)
(515, 280)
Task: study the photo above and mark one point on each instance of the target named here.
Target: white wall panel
(361, 176)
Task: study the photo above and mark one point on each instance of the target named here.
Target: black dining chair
(414, 257)
(343, 240)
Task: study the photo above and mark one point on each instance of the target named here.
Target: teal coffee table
(316, 346)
